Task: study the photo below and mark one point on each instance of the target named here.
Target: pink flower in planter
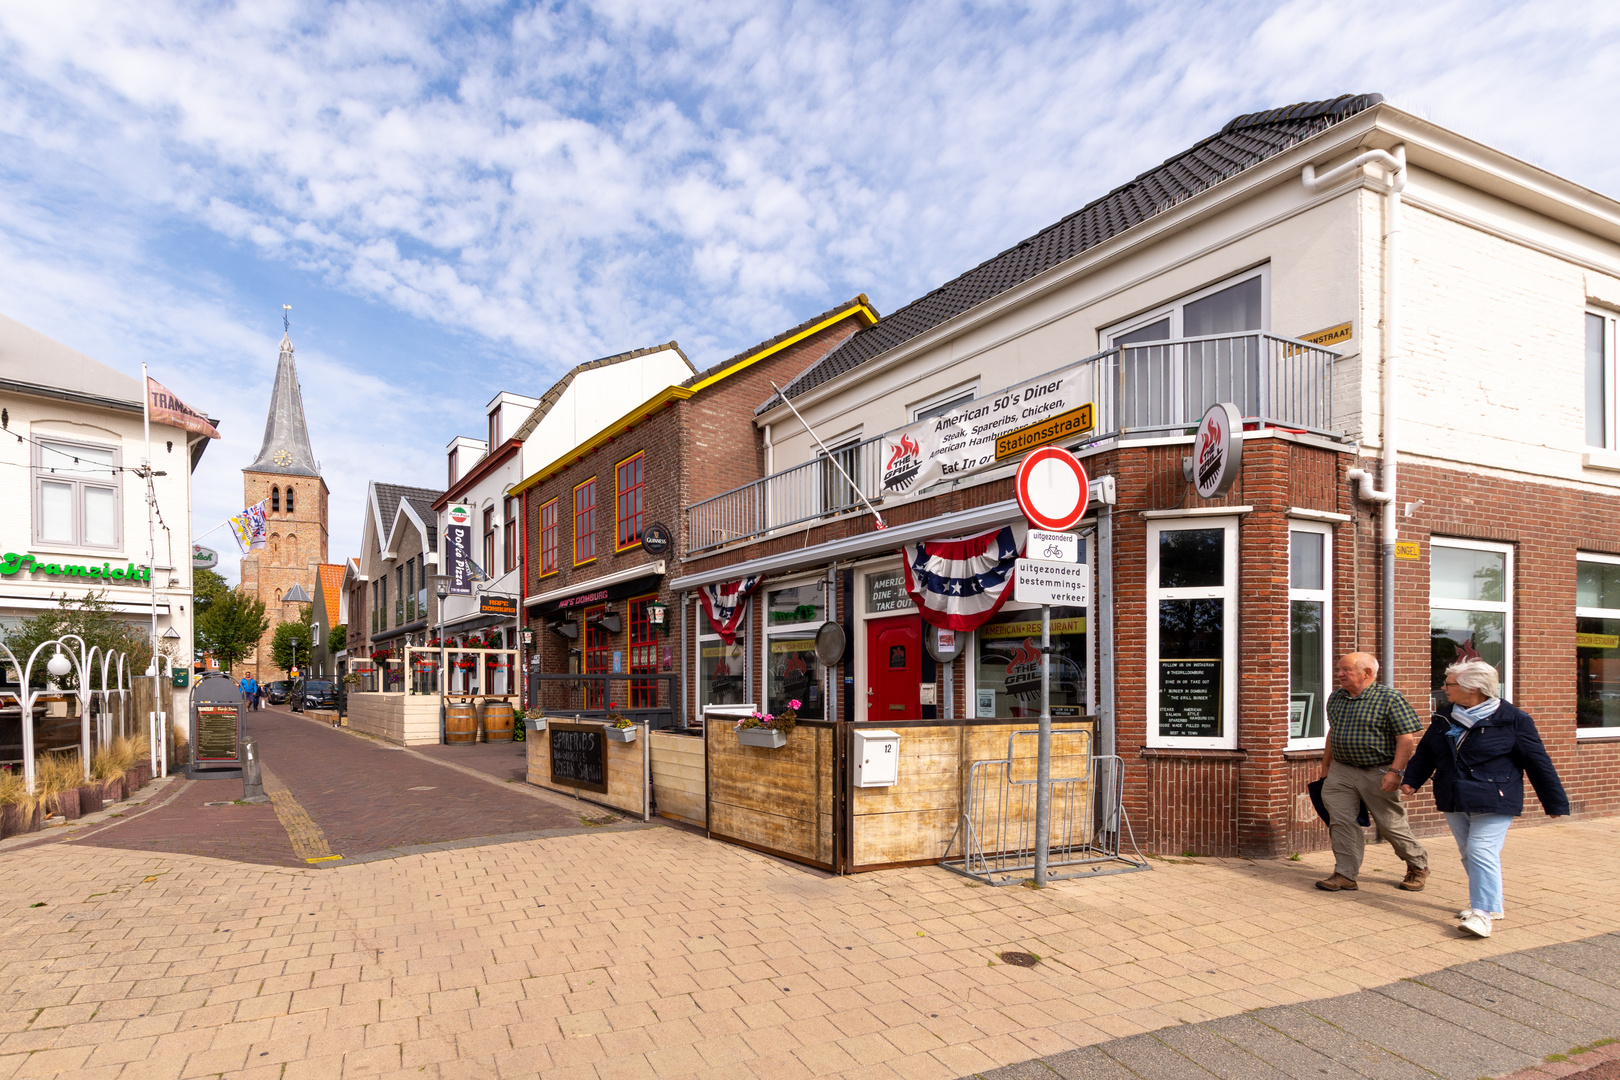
(794, 705)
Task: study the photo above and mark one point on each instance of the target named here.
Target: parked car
(319, 694)
(276, 693)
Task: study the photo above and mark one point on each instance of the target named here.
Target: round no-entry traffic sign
(1052, 488)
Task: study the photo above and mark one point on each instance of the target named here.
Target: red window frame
(598, 650)
(643, 655)
(489, 541)
(585, 522)
(548, 538)
(509, 537)
(630, 505)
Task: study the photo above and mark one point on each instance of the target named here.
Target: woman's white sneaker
(1467, 911)
(1477, 923)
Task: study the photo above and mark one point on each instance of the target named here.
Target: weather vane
(286, 318)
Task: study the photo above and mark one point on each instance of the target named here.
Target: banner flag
(725, 602)
(249, 527)
(168, 409)
(458, 558)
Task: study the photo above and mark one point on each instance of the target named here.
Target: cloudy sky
(460, 199)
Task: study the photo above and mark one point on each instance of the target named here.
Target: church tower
(286, 477)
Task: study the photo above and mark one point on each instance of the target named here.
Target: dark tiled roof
(848, 305)
(421, 499)
(549, 399)
(1241, 144)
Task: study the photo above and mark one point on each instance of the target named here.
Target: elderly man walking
(1373, 733)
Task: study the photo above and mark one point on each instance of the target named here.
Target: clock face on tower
(282, 457)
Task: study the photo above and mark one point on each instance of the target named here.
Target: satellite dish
(830, 644)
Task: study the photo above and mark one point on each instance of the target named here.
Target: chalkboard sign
(217, 732)
(1190, 698)
(578, 756)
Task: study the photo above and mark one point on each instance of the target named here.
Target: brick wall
(296, 545)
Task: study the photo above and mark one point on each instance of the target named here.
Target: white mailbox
(877, 757)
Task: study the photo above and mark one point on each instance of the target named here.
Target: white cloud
(551, 185)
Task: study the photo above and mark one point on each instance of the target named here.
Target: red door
(893, 668)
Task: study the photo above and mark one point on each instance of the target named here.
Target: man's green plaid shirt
(1363, 728)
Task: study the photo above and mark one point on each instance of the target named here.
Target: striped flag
(960, 584)
(724, 604)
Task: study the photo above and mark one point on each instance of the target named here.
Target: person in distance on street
(1478, 749)
(1372, 733)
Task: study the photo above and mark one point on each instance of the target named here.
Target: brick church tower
(286, 476)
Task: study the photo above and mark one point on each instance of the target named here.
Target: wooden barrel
(461, 722)
(497, 721)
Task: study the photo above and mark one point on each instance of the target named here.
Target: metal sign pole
(1043, 761)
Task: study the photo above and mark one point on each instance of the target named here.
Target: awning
(615, 586)
(468, 623)
(857, 547)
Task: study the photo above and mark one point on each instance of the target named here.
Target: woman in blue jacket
(1478, 749)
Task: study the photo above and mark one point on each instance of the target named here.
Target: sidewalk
(657, 953)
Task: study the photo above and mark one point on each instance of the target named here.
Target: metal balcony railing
(1140, 390)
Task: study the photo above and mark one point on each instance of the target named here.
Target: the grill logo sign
(900, 472)
(1218, 450)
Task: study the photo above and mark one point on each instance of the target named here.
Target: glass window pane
(1233, 309)
(1597, 672)
(1455, 636)
(720, 672)
(56, 512)
(1191, 649)
(1192, 558)
(1305, 560)
(1159, 331)
(793, 673)
(1307, 681)
(1009, 664)
(1597, 399)
(1467, 573)
(100, 516)
(802, 603)
(1597, 585)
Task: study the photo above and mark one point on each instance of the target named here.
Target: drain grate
(1019, 959)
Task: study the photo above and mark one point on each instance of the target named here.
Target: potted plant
(16, 804)
(768, 730)
(620, 728)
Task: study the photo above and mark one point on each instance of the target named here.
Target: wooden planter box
(771, 740)
(620, 734)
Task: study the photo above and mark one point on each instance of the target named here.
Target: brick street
(637, 951)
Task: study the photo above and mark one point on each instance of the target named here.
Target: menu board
(578, 756)
(1190, 698)
(217, 732)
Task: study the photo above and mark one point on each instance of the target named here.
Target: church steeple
(286, 438)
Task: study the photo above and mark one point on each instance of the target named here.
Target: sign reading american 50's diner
(12, 563)
(974, 434)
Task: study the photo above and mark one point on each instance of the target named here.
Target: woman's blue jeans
(1479, 839)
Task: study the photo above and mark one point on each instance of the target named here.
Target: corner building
(1257, 268)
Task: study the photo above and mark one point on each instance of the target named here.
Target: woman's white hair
(1478, 676)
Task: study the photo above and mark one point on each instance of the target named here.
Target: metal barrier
(996, 831)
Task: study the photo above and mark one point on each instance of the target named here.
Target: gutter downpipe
(1395, 163)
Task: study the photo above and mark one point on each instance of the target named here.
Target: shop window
(1597, 645)
(585, 522)
(643, 655)
(1310, 632)
(77, 499)
(1600, 380)
(597, 656)
(548, 538)
(792, 672)
(630, 508)
(1192, 633)
(1007, 663)
(1164, 385)
(721, 679)
(509, 536)
(1470, 608)
(489, 542)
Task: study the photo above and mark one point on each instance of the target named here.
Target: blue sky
(462, 199)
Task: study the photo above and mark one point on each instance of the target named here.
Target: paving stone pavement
(656, 953)
(1534, 1013)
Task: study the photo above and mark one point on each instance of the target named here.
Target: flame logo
(1027, 653)
(1213, 434)
(906, 447)
(795, 664)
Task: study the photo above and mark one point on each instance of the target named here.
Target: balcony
(1140, 390)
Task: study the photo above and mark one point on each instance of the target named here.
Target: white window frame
(1228, 592)
(1611, 393)
(960, 394)
(1172, 308)
(704, 633)
(1596, 613)
(1504, 606)
(1324, 596)
(41, 473)
(764, 595)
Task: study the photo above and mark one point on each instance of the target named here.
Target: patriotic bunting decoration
(724, 604)
(959, 584)
(249, 527)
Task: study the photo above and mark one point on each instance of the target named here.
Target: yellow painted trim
(681, 393)
(617, 495)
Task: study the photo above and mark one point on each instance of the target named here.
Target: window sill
(1190, 753)
(1596, 734)
(1303, 753)
(104, 554)
(1606, 460)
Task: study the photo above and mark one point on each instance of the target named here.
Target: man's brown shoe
(1339, 883)
(1415, 879)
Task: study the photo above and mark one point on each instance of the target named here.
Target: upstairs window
(585, 522)
(452, 462)
(1600, 380)
(509, 536)
(494, 430)
(76, 495)
(548, 538)
(631, 505)
(489, 541)
(399, 595)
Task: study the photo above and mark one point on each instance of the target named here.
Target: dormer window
(275, 500)
(494, 431)
(453, 451)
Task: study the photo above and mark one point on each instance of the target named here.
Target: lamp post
(57, 666)
(442, 591)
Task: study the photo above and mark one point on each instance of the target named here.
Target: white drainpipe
(1395, 163)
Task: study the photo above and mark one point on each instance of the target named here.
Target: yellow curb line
(308, 841)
